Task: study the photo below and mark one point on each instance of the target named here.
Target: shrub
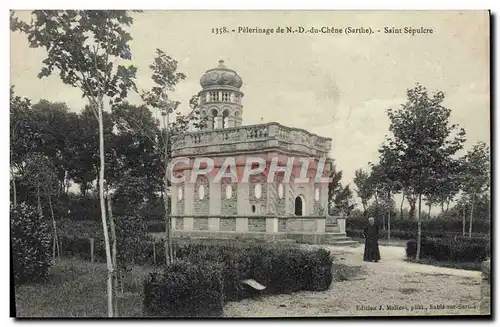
(456, 249)
(31, 243)
(185, 289)
(437, 225)
(156, 226)
(282, 269)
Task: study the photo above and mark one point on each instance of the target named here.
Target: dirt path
(389, 287)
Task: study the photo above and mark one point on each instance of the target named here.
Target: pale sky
(335, 85)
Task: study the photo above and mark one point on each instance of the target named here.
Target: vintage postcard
(250, 163)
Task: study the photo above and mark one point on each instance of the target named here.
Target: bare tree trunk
(429, 212)
(412, 203)
(463, 221)
(55, 245)
(447, 206)
(113, 254)
(419, 228)
(389, 217)
(442, 207)
(471, 214)
(168, 225)
(103, 208)
(401, 206)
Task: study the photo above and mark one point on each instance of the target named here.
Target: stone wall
(179, 223)
(258, 199)
(257, 225)
(301, 225)
(282, 224)
(228, 224)
(200, 224)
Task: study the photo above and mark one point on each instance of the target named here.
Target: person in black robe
(370, 233)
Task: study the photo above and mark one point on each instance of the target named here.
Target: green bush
(437, 225)
(31, 243)
(408, 235)
(185, 289)
(452, 249)
(282, 269)
(155, 226)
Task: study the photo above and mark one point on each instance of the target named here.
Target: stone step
(335, 234)
(343, 243)
(329, 229)
(340, 239)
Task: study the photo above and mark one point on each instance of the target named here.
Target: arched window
(280, 191)
(299, 206)
(179, 193)
(258, 191)
(201, 192)
(225, 114)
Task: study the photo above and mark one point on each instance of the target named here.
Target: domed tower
(220, 97)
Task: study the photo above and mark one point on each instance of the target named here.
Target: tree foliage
(420, 151)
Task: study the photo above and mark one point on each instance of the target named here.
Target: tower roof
(221, 76)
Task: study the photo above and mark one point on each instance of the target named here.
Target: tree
(364, 187)
(421, 146)
(165, 77)
(82, 46)
(384, 180)
(477, 175)
(41, 175)
(20, 135)
(340, 200)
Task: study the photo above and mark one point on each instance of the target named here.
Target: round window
(179, 193)
(201, 192)
(258, 191)
(229, 191)
(280, 191)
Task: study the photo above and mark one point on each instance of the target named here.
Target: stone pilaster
(242, 204)
(214, 205)
(271, 225)
(173, 203)
(188, 204)
(323, 199)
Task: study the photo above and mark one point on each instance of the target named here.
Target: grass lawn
(78, 289)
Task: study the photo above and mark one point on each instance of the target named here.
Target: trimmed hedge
(282, 269)
(456, 249)
(430, 225)
(184, 289)
(408, 235)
